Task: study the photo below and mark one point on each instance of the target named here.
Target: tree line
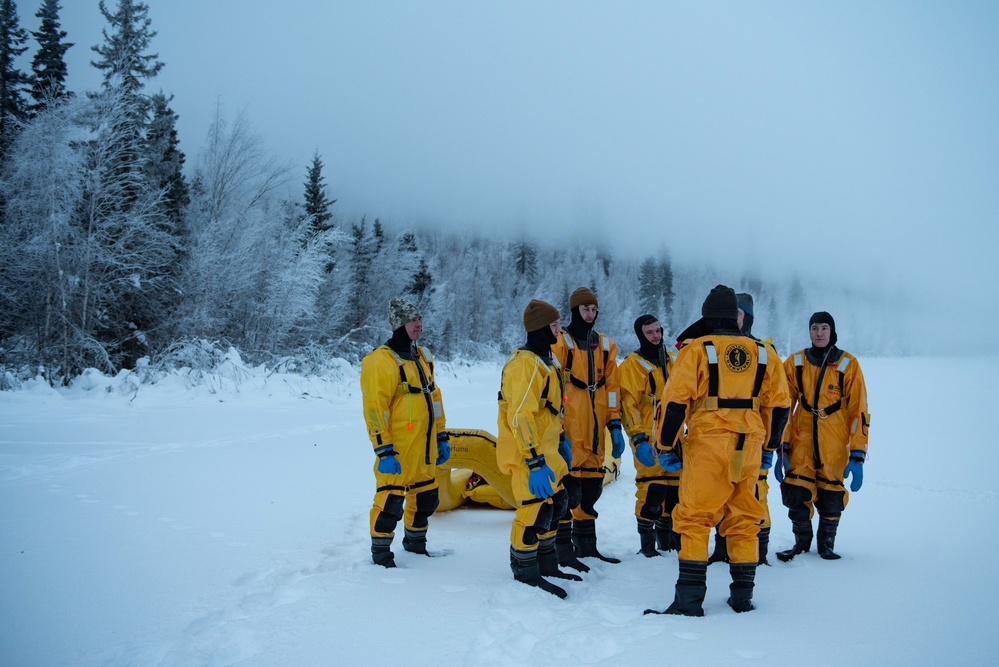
(115, 251)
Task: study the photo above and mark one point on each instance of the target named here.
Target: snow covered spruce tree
(48, 66)
(317, 204)
(123, 58)
(649, 298)
(164, 161)
(149, 161)
(86, 242)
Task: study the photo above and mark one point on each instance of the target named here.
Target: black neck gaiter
(580, 328)
(540, 342)
(401, 343)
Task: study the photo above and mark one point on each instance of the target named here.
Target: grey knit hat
(401, 312)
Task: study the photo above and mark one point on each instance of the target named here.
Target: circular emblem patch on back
(737, 358)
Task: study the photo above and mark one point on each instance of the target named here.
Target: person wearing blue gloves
(590, 375)
(533, 450)
(643, 375)
(404, 416)
(721, 386)
(826, 439)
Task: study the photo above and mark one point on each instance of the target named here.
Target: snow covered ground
(226, 523)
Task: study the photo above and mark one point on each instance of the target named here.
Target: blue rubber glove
(669, 461)
(768, 461)
(617, 438)
(565, 448)
(539, 480)
(855, 468)
(443, 448)
(388, 464)
(782, 462)
(643, 450)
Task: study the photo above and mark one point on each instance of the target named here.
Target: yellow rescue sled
(472, 473)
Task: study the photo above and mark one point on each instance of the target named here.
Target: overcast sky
(859, 139)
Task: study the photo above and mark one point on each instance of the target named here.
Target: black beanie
(721, 304)
(822, 317)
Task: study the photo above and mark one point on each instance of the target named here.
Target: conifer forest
(119, 250)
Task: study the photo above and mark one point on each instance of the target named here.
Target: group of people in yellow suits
(704, 423)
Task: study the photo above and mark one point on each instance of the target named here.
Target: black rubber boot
(691, 586)
(720, 554)
(802, 541)
(565, 551)
(548, 561)
(825, 539)
(764, 544)
(741, 590)
(666, 539)
(525, 570)
(647, 537)
(381, 551)
(415, 541)
(584, 538)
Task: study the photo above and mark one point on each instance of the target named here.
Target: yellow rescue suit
(829, 421)
(529, 422)
(642, 383)
(590, 381)
(723, 383)
(763, 485)
(402, 408)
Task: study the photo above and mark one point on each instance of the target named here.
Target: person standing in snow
(589, 365)
(532, 449)
(826, 439)
(720, 553)
(643, 375)
(404, 416)
(721, 384)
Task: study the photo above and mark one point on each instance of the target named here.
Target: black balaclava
(580, 328)
(540, 341)
(401, 343)
(828, 354)
(655, 354)
(822, 317)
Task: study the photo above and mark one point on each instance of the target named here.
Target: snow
(224, 520)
